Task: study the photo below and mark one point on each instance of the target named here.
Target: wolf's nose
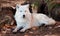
(23, 16)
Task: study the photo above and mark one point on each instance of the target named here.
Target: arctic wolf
(27, 20)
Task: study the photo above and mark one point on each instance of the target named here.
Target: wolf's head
(22, 10)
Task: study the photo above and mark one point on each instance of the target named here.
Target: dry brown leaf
(34, 28)
(4, 32)
(51, 35)
(50, 27)
(6, 25)
(26, 35)
(31, 32)
(0, 34)
(57, 26)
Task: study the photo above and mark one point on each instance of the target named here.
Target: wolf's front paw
(14, 30)
(22, 30)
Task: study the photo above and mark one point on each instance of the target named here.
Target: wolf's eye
(25, 11)
(20, 11)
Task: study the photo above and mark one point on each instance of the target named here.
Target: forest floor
(49, 30)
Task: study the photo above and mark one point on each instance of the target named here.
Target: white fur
(30, 20)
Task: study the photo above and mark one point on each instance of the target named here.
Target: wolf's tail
(52, 21)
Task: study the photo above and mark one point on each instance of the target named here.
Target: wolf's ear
(27, 5)
(17, 6)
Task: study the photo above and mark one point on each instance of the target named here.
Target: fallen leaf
(57, 26)
(50, 27)
(34, 28)
(4, 32)
(26, 35)
(31, 32)
(51, 35)
(6, 25)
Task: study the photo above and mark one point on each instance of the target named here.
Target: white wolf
(27, 20)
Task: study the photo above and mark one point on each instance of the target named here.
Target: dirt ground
(52, 30)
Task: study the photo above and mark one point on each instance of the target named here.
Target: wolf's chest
(20, 19)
